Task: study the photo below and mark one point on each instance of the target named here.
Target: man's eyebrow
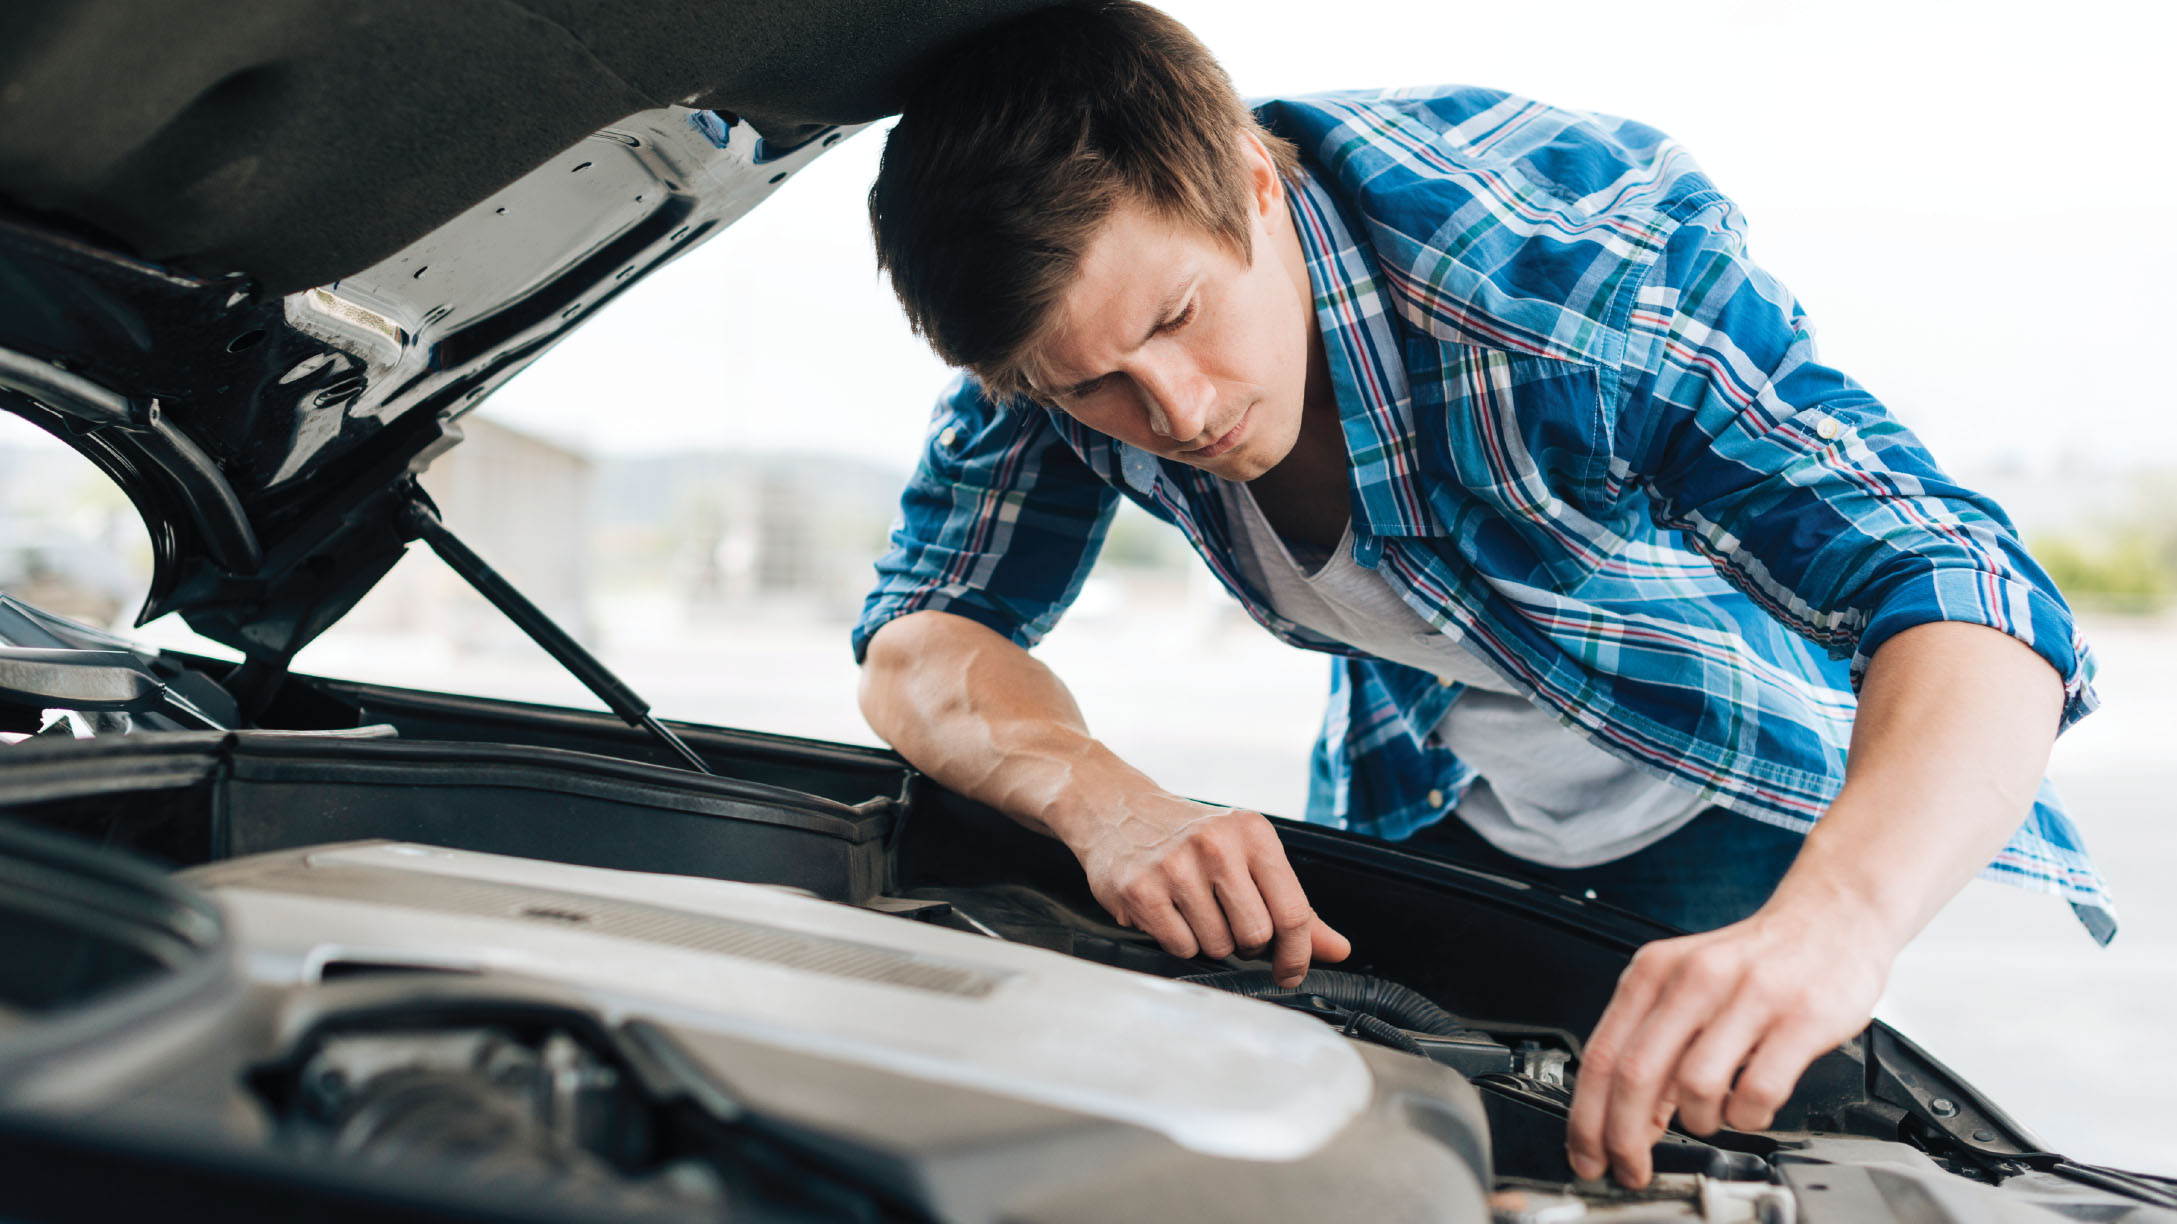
(1164, 312)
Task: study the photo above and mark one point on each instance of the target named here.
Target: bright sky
(1973, 201)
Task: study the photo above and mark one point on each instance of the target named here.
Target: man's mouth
(1226, 441)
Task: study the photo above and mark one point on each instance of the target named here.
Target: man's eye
(1091, 387)
(1181, 320)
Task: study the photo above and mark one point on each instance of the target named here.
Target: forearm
(1952, 736)
(988, 720)
(981, 716)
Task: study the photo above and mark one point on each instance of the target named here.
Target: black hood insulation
(299, 142)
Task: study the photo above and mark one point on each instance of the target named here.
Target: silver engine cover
(1011, 1082)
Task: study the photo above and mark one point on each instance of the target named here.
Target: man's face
(1170, 341)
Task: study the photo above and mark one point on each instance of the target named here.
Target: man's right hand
(1203, 880)
(982, 716)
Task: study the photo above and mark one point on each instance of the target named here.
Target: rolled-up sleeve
(1000, 523)
(1796, 483)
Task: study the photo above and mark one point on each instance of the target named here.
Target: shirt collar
(1367, 366)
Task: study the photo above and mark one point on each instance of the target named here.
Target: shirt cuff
(1010, 627)
(2004, 602)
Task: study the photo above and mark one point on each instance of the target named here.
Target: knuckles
(1217, 853)
(1644, 1071)
(1212, 851)
(1763, 1095)
(1598, 1065)
(1143, 890)
(1781, 983)
(1709, 972)
(1749, 1117)
(1701, 1091)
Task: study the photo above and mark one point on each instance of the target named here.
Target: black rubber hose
(1358, 992)
(1383, 1033)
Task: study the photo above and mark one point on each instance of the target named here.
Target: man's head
(1077, 207)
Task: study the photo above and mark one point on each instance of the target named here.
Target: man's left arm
(1953, 733)
(1804, 492)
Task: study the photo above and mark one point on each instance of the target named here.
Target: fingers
(1196, 899)
(1637, 988)
(1155, 916)
(1705, 1073)
(1631, 1079)
(1717, 1026)
(1222, 885)
(1244, 912)
(1772, 1072)
(1697, 982)
(1172, 896)
(1291, 917)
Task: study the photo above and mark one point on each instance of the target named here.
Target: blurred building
(521, 502)
(732, 535)
(70, 542)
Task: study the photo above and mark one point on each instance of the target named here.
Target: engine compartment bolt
(1944, 1107)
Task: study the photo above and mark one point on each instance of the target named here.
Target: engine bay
(469, 959)
(604, 1043)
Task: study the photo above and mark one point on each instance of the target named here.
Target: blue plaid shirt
(1588, 438)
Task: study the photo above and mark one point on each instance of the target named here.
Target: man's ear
(1265, 189)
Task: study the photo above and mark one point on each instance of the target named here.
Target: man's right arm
(982, 716)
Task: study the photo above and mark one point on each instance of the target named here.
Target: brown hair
(1018, 144)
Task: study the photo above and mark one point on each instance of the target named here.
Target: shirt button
(1829, 428)
(946, 438)
(1436, 798)
(1445, 681)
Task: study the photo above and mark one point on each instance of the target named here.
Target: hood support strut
(422, 521)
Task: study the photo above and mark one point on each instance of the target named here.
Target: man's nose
(1180, 401)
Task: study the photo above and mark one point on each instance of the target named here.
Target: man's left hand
(1717, 1027)
(1948, 748)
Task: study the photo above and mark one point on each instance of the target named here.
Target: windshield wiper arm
(422, 521)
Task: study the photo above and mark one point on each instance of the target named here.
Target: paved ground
(2004, 986)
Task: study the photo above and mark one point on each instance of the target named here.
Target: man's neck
(1305, 496)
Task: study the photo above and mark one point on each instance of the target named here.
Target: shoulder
(1495, 215)
(1495, 142)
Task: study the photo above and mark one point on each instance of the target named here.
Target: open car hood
(257, 267)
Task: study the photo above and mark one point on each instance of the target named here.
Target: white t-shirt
(1545, 794)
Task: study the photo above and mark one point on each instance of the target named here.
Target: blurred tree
(2127, 563)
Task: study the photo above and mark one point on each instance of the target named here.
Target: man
(1484, 398)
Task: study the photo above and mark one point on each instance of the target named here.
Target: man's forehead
(1132, 277)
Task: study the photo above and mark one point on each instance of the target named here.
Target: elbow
(882, 665)
(896, 651)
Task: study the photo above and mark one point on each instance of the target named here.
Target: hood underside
(255, 264)
(299, 142)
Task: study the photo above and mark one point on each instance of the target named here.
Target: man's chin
(1237, 467)
(1248, 463)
